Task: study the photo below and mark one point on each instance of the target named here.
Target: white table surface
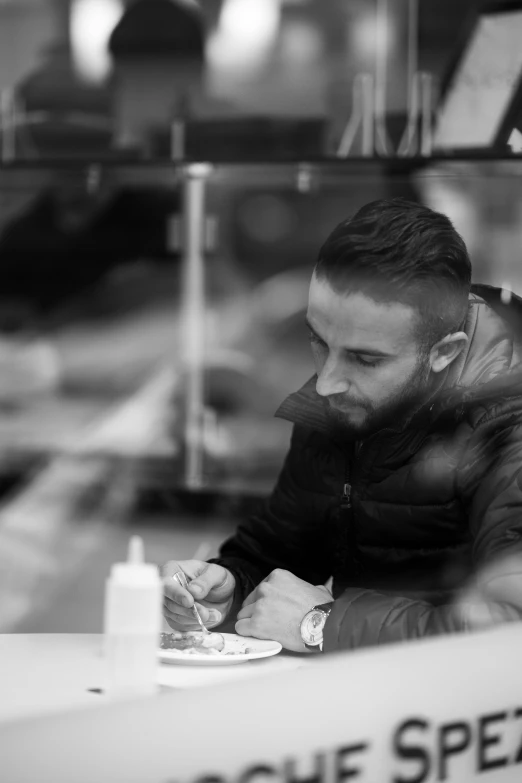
(48, 673)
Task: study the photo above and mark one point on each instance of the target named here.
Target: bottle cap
(135, 570)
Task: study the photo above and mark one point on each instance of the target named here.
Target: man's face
(367, 358)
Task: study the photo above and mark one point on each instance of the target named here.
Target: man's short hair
(398, 250)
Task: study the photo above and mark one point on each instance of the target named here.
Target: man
(404, 475)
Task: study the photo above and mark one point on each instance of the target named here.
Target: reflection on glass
(90, 318)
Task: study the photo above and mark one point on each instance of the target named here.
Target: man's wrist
(312, 626)
(328, 597)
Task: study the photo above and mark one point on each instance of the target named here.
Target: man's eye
(367, 362)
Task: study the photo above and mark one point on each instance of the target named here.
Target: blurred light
(372, 33)
(515, 141)
(91, 24)
(94, 179)
(252, 20)
(267, 219)
(301, 43)
(443, 194)
(246, 31)
(305, 178)
(506, 292)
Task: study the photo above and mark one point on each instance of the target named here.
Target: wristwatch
(312, 626)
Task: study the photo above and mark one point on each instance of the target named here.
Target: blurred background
(169, 170)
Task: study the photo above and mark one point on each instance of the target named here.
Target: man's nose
(330, 380)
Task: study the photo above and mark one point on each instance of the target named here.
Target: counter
(41, 674)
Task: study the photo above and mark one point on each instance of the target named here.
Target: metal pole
(382, 141)
(408, 144)
(362, 117)
(177, 140)
(8, 125)
(193, 331)
(368, 116)
(427, 104)
(413, 52)
(353, 125)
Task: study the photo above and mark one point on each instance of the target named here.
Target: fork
(182, 580)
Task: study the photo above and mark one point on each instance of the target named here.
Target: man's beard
(394, 413)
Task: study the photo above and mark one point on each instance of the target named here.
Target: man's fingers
(246, 611)
(173, 590)
(208, 615)
(250, 599)
(179, 622)
(172, 612)
(213, 582)
(245, 628)
(206, 581)
(177, 611)
(175, 608)
(183, 624)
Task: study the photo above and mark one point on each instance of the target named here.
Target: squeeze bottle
(132, 624)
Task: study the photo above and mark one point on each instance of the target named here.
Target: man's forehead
(355, 317)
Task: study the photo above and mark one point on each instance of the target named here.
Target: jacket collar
(307, 408)
(490, 366)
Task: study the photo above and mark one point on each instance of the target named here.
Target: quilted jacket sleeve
(489, 484)
(285, 533)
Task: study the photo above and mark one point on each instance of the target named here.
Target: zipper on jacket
(351, 558)
(346, 498)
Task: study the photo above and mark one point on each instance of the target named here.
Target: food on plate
(195, 647)
(193, 642)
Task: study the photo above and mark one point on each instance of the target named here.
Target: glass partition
(155, 312)
(152, 321)
(272, 221)
(89, 301)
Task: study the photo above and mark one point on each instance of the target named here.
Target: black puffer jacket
(401, 519)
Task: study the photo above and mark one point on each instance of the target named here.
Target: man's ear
(447, 350)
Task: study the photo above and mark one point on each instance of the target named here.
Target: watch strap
(326, 608)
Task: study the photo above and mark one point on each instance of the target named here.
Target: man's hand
(274, 610)
(212, 585)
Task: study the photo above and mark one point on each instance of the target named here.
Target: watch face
(312, 627)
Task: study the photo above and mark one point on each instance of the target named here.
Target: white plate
(257, 648)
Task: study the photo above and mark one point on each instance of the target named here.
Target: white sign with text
(447, 709)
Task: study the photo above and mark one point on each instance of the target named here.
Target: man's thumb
(213, 579)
